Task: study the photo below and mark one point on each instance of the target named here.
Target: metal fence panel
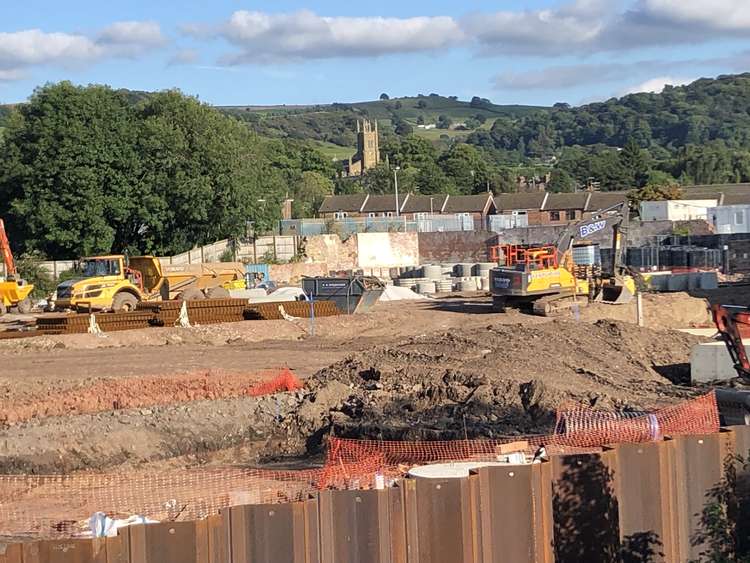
(11, 553)
(173, 542)
(355, 526)
(586, 523)
(698, 466)
(268, 533)
(642, 477)
(439, 523)
(65, 551)
(511, 514)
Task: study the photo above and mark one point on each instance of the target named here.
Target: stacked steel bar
(300, 309)
(208, 311)
(79, 323)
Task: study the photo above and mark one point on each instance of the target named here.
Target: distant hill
(335, 123)
(706, 111)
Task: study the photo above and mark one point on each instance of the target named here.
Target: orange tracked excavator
(733, 323)
(14, 292)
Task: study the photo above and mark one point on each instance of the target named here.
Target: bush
(30, 268)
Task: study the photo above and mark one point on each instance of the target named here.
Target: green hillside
(336, 123)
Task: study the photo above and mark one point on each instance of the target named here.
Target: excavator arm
(614, 218)
(10, 266)
(733, 323)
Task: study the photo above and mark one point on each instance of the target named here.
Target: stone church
(368, 149)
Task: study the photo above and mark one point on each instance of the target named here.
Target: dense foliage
(88, 170)
(698, 133)
(85, 170)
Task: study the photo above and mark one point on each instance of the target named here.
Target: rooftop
(349, 203)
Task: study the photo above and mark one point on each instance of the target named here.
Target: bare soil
(439, 368)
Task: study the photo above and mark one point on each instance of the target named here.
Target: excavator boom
(733, 322)
(10, 266)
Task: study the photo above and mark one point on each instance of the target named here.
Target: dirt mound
(498, 380)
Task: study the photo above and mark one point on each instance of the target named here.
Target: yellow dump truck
(114, 283)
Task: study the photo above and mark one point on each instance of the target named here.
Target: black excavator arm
(614, 218)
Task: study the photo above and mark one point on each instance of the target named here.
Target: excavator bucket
(617, 295)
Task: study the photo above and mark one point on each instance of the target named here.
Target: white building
(731, 219)
(677, 210)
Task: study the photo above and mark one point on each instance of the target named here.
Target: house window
(739, 218)
(421, 216)
(570, 215)
(388, 214)
(371, 215)
(554, 215)
(340, 215)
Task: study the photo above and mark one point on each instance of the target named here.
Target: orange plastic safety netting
(60, 505)
(579, 429)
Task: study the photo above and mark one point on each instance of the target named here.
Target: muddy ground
(443, 368)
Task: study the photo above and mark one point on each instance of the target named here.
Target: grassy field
(334, 152)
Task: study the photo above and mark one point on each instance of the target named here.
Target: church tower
(368, 144)
(368, 149)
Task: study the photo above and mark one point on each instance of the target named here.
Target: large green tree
(83, 170)
(70, 171)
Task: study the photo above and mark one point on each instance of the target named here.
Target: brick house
(342, 206)
(559, 209)
(383, 205)
(418, 206)
(528, 204)
(477, 206)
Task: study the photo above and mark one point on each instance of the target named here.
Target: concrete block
(710, 361)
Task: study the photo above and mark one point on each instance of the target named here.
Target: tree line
(86, 170)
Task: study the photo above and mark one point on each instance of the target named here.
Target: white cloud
(21, 50)
(595, 26)
(132, 34)
(571, 27)
(32, 47)
(656, 85)
(11, 75)
(184, 57)
(715, 14)
(263, 37)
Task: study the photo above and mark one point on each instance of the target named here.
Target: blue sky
(262, 52)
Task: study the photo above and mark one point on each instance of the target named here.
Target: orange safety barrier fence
(579, 429)
(284, 381)
(60, 505)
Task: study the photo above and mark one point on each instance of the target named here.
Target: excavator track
(554, 305)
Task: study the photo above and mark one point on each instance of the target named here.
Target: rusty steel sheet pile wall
(629, 502)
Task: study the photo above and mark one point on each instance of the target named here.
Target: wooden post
(639, 309)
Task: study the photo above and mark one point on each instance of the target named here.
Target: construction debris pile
(494, 381)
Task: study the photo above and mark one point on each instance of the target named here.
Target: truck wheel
(191, 294)
(3, 309)
(124, 302)
(24, 307)
(218, 293)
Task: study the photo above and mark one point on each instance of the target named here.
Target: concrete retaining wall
(467, 246)
(387, 250)
(293, 273)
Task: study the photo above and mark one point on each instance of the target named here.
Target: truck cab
(103, 282)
